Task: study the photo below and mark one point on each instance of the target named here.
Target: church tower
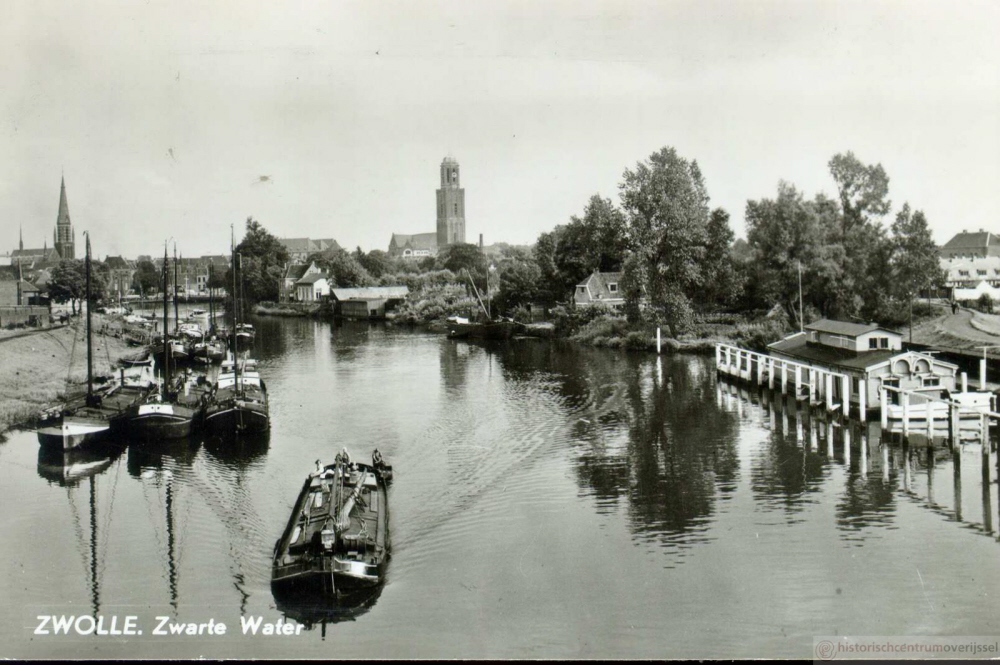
(65, 239)
(450, 206)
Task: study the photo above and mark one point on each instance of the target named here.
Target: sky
(174, 121)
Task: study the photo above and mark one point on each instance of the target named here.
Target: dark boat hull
(493, 330)
(160, 421)
(70, 432)
(236, 419)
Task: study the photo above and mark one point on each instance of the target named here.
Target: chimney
(480, 241)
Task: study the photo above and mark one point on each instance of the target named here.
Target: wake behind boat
(337, 539)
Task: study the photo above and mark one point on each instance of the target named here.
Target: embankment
(37, 370)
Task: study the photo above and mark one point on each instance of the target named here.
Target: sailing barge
(337, 539)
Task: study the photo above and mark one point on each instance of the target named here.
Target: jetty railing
(815, 384)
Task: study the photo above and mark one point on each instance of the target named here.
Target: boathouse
(370, 302)
(871, 357)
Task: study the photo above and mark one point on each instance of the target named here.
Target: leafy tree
(789, 234)
(914, 261)
(518, 277)
(343, 267)
(263, 260)
(667, 207)
(722, 284)
(68, 282)
(863, 189)
(376, 262)
(146, 278)
(463, 256)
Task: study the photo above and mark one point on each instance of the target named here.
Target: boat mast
(177, 319)
(166, 344)
(236, 364)
(211, 300)
(90, 341)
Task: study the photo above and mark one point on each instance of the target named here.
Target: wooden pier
(953, 420)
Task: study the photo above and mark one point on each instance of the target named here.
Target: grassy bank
(34, 369)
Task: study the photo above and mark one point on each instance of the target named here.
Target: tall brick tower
(451, 206)
(65, 239)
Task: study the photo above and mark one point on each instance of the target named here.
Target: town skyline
(333, 122)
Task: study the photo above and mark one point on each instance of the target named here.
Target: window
(963, 273)
(580, 289)
(981, 272)
(929, 381)
(613, 287)
(456, 208)
(872, 342)
(883, 342)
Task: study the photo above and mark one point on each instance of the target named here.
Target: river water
(549, 502)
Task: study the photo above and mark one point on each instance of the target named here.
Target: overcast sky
(173, 120)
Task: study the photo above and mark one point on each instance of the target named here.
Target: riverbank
(38, 370)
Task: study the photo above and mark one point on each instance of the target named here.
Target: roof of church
(415, 240)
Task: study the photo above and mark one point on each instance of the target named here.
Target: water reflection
(68, 467)
(312, 612)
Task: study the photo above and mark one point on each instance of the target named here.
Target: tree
(666, 202)
(518, 278)
(789, 234)
(863, 189)
(146, 278)
(721, 280)
(914, 261)
(68, 282)
(344, 269)
(262, 258)
(376, 262)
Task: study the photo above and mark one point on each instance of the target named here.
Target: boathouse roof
(369, 293)
(797, 346)
(845, 327)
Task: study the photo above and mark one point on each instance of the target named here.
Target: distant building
(416, 246)
(121, 271)
(969, 278)
(300, 249)
(968, 245)
(312, 287)
(450, 219)
(287, 291)
(600, 288)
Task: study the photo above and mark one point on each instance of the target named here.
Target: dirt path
(966, 330)
(38, 368)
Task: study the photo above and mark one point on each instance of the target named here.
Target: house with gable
(312, 287)
(287, 291)
(600, 288)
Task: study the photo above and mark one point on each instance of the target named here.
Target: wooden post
(930, 422)
(798, 381)
(864, 454)
(884, 406)
(657, 340)
(965, 382)
(784, 382)
(982, 372)
(845, 394)
(885, 461)
(812, 385)
(770, 373)
(847, 445)
(760, 368)
(718, 356)
(906, 414)
(953, 424)
(829, 392)
(862, 395)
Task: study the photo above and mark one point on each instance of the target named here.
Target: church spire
(64, 237)
(20, 238)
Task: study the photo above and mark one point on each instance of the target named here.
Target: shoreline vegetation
(40, 369)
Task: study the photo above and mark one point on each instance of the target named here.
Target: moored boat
(239, 402)
(337, 539)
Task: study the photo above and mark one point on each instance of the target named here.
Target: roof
(370, 292)
(967, 240)
(296, 270)
(27, 253)
(415, 240)
(798, 346)
(27, 287)
(116, 262)
(313, 278)
(307, 245)
(597, 283)
(844, 327)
